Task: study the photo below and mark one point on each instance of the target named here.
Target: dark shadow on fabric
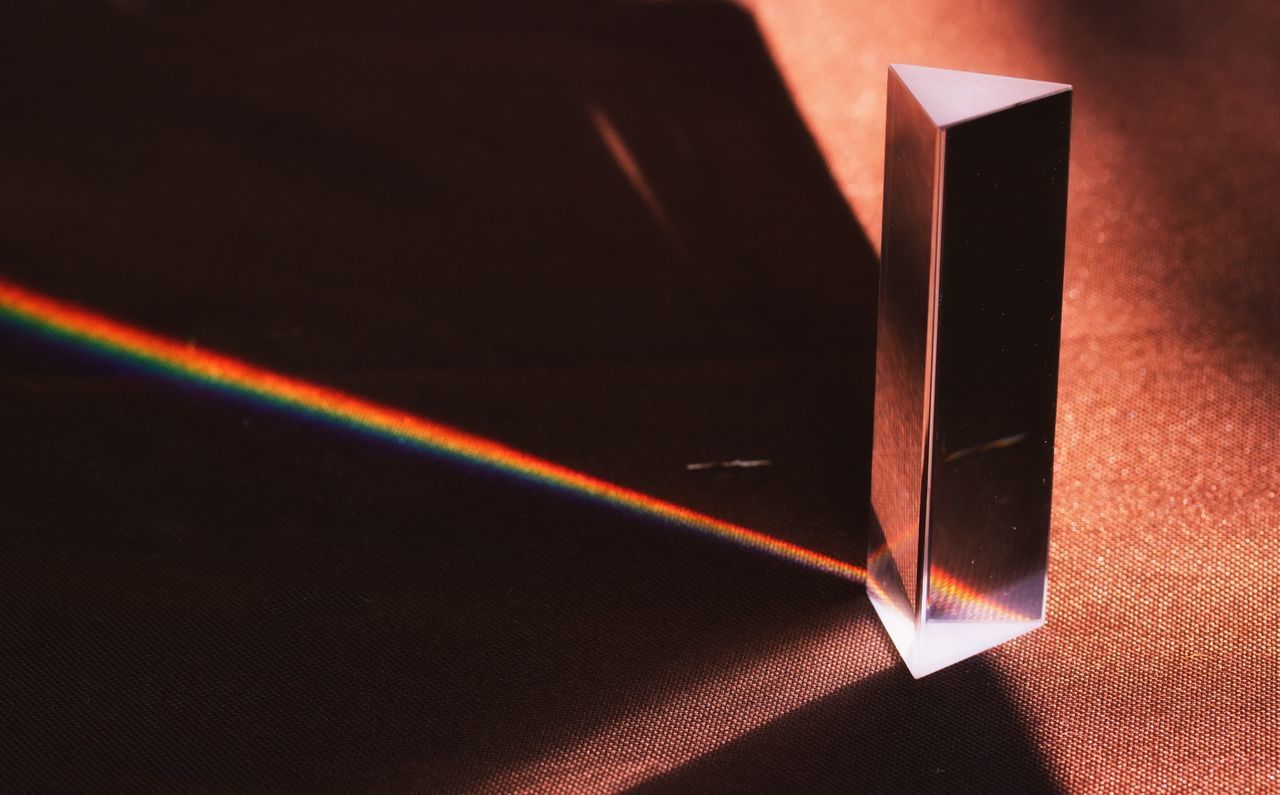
(413, 203)
(889, 733)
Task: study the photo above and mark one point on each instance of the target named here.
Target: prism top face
(967, 348)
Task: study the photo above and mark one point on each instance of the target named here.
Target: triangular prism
(967, 349)
(951, 97)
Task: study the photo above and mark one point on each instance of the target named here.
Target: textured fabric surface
(626, 238)
(1160, 667)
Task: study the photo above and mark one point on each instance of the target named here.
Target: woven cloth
(624, 238)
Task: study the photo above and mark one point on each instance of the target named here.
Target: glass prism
(966, 359)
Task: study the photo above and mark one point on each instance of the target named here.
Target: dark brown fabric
(603, 233)
(1160, 665)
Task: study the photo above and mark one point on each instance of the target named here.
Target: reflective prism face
(967, 359)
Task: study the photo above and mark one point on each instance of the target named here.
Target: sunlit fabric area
(477, 397)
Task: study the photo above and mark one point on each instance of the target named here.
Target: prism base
(933, 645)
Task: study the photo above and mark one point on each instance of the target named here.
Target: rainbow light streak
(69, 324)
(945, 590)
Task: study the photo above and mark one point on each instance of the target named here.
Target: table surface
(623, 238)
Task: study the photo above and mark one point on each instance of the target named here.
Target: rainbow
(946, 591)
(69, 324)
